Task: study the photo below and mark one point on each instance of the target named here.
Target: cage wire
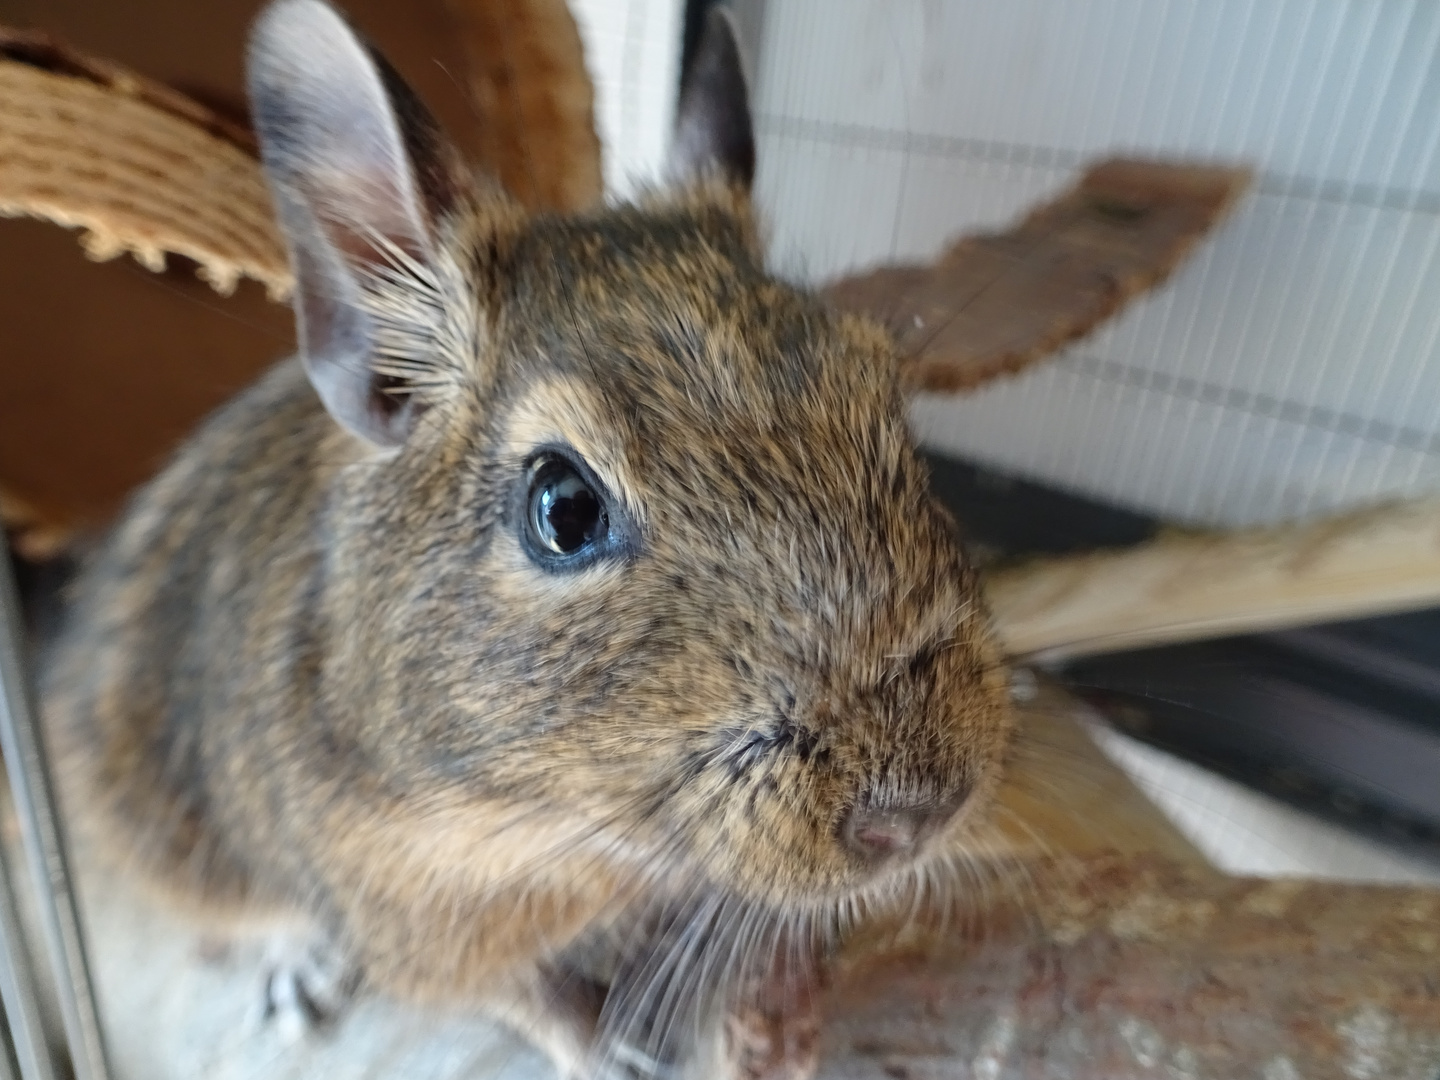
(1292, 367)
(29, 1053)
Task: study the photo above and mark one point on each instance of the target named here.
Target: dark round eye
(563, 513)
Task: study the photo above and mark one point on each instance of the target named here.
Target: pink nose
(877, 834)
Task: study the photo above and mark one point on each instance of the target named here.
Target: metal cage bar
(40, 830)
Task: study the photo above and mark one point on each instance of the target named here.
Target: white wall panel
(1293, 366)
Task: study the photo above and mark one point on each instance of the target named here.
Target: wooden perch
(991, 305)
(1110, 968)
(1185, 588)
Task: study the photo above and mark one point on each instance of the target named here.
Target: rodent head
(630, 542)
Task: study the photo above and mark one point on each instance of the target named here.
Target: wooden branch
(1185, 588)
(1114, 968)
(993, 304)
(534, 98)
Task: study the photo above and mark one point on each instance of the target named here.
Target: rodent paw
(305, 990)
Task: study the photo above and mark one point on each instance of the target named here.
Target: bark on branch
(1136, 968)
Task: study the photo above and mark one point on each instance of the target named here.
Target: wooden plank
(1185, 588)
(992, 304)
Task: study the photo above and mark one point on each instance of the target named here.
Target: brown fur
(307, 673)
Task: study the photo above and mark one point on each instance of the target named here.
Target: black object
(1005, 516)
(1341, 720)
(41, 587)
(694, 25)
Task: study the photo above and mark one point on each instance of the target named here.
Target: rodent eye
(564, 515)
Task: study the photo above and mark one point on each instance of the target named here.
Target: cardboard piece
(991, 305)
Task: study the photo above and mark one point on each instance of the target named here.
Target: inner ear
(361, 179)
(714, 133)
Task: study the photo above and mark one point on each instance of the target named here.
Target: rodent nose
(880, 833)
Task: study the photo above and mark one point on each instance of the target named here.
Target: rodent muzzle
(882, 834)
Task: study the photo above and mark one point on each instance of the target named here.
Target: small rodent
(576, 601)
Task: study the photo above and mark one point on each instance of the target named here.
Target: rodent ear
(360, 175)
(713, 130)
